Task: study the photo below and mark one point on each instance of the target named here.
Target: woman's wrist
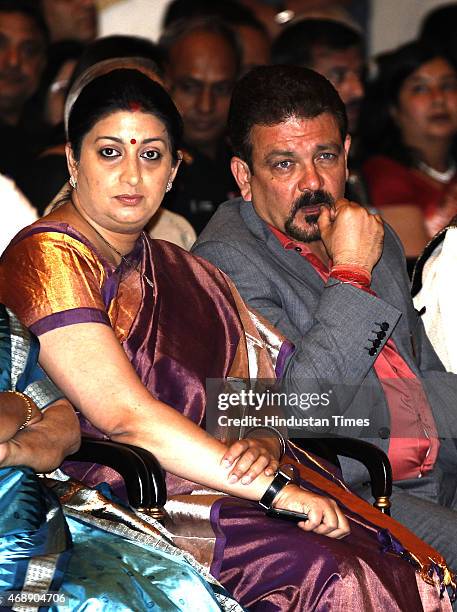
(18, 411)
(285, 494)
(275, 441)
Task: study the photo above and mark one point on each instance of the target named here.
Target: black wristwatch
(278, 483)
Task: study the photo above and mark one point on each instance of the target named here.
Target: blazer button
(381, 335)
(376, 343)
(372, 351)
(384, 325)
(384, 433)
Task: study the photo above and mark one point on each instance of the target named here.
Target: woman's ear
(175, 167)
(72, 164)
(242, 174)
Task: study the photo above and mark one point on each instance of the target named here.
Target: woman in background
(409, 127)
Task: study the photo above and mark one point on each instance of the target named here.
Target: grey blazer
(335, 328)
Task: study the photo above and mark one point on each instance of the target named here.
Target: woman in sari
(131, 329)
(79, 552)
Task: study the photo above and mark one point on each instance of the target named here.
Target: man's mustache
(312, 199)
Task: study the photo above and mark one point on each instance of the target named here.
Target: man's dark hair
(295, 44)
(183, 27)
(29, 8)
(230, 11)
(268, 95)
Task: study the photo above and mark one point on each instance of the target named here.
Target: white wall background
(140, 17)
(394, 22)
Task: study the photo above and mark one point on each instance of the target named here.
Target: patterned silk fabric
(193, 326)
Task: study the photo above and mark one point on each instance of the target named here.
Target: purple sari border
(69, 317)
(221, 539)
(286, 350)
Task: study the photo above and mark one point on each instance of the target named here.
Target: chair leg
(383, 504)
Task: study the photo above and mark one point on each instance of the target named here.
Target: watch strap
(278, 483)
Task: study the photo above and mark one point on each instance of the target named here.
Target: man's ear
(242, 174)
(347, 146)
(72, 164)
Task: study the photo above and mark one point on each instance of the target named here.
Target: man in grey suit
(332, 277)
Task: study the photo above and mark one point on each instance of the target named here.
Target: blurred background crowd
(393, 64)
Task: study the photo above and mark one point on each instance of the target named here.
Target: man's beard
(310, 199)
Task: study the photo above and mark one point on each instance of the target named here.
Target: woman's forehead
(130, 125)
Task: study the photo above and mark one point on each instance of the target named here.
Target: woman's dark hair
(120, 90)
(184, 27)
(379, 133)
(268, 95)
(118, 45)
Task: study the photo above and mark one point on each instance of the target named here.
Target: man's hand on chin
(351, 235)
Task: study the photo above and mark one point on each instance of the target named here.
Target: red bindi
(134, 106)
(133, 141)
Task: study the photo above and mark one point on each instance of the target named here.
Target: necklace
(441, 177)
(113, 248)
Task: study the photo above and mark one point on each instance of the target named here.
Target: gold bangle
(28, 401)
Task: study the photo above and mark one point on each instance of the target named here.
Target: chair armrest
(371, 456)
(144, 478)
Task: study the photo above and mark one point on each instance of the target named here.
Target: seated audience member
(16, 211)
(336, 51)
(127, 338)
(23, 42)
(41, 176)
(409, 134)
(62, 59)
(44, 177)
(202, 61)
(82, 558)
(70, 19)
(331, 277)
(435, 295)
(164, 225)
(252, 34)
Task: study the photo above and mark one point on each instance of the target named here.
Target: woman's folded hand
(246, 459)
